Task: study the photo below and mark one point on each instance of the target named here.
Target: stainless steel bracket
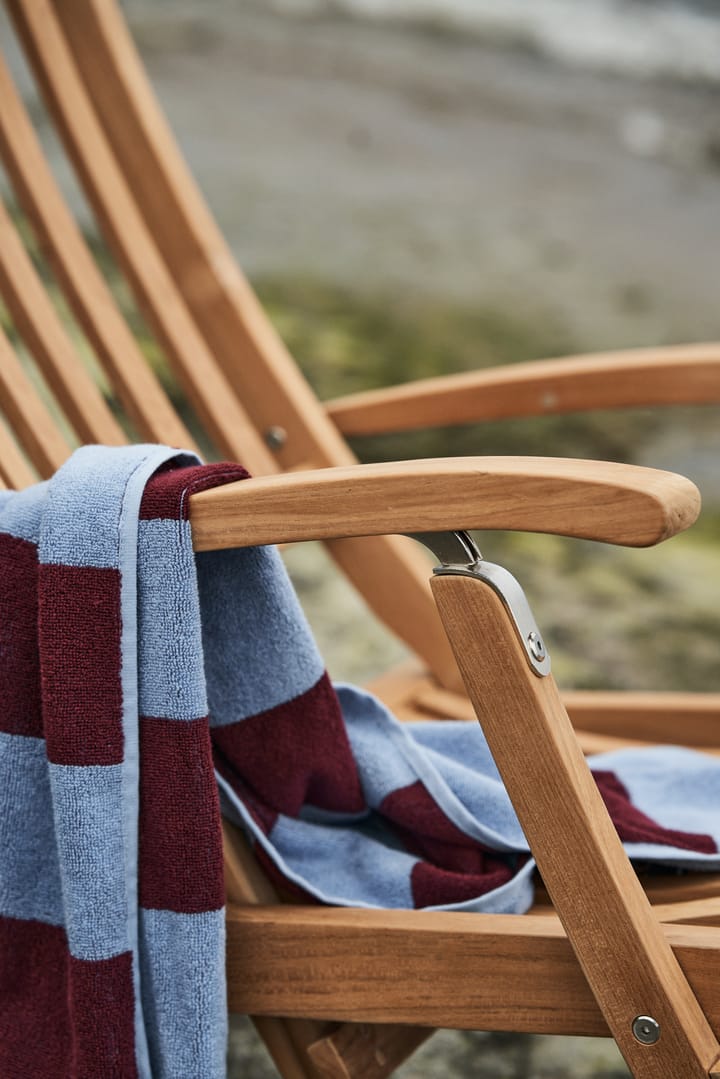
(459, 556)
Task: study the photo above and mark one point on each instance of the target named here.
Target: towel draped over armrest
(144, 689)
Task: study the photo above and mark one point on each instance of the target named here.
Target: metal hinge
(458, 555)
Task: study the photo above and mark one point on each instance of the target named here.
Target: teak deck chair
(340, 992)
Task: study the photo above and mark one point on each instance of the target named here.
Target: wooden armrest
(613, 503)
(687, 374)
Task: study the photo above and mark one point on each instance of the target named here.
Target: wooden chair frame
(600, 956)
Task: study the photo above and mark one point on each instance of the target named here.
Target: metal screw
(646, 1029)
(276, 437)
(537, 648)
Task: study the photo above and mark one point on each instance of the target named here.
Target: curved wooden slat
(142, 396)
(209, 391)
(232, 321)
(33, 425)
(686, 374)
(612, 503)
(40, 327)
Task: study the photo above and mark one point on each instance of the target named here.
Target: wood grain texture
(685, 374)
(590, 499)
(607, 916)
(468, 971)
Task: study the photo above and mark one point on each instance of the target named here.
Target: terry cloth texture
(127, 668)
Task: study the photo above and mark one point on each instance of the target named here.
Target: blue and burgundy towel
(142, 689)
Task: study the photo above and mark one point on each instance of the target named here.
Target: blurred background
(422, 186)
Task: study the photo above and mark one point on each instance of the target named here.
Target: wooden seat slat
(333, 962)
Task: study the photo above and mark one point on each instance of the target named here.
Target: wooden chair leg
(277, 1035)
(309, 1048)
(365, 1050)
(618, 942)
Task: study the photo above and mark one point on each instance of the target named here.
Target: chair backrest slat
(31, 421)
(205, 384)
(223, 305)
(40, 327)
(62, 243)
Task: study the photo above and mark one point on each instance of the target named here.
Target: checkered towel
(116, 645)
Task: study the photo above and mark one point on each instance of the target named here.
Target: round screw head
(537, 648)
(646, 1029)
(276, 437)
